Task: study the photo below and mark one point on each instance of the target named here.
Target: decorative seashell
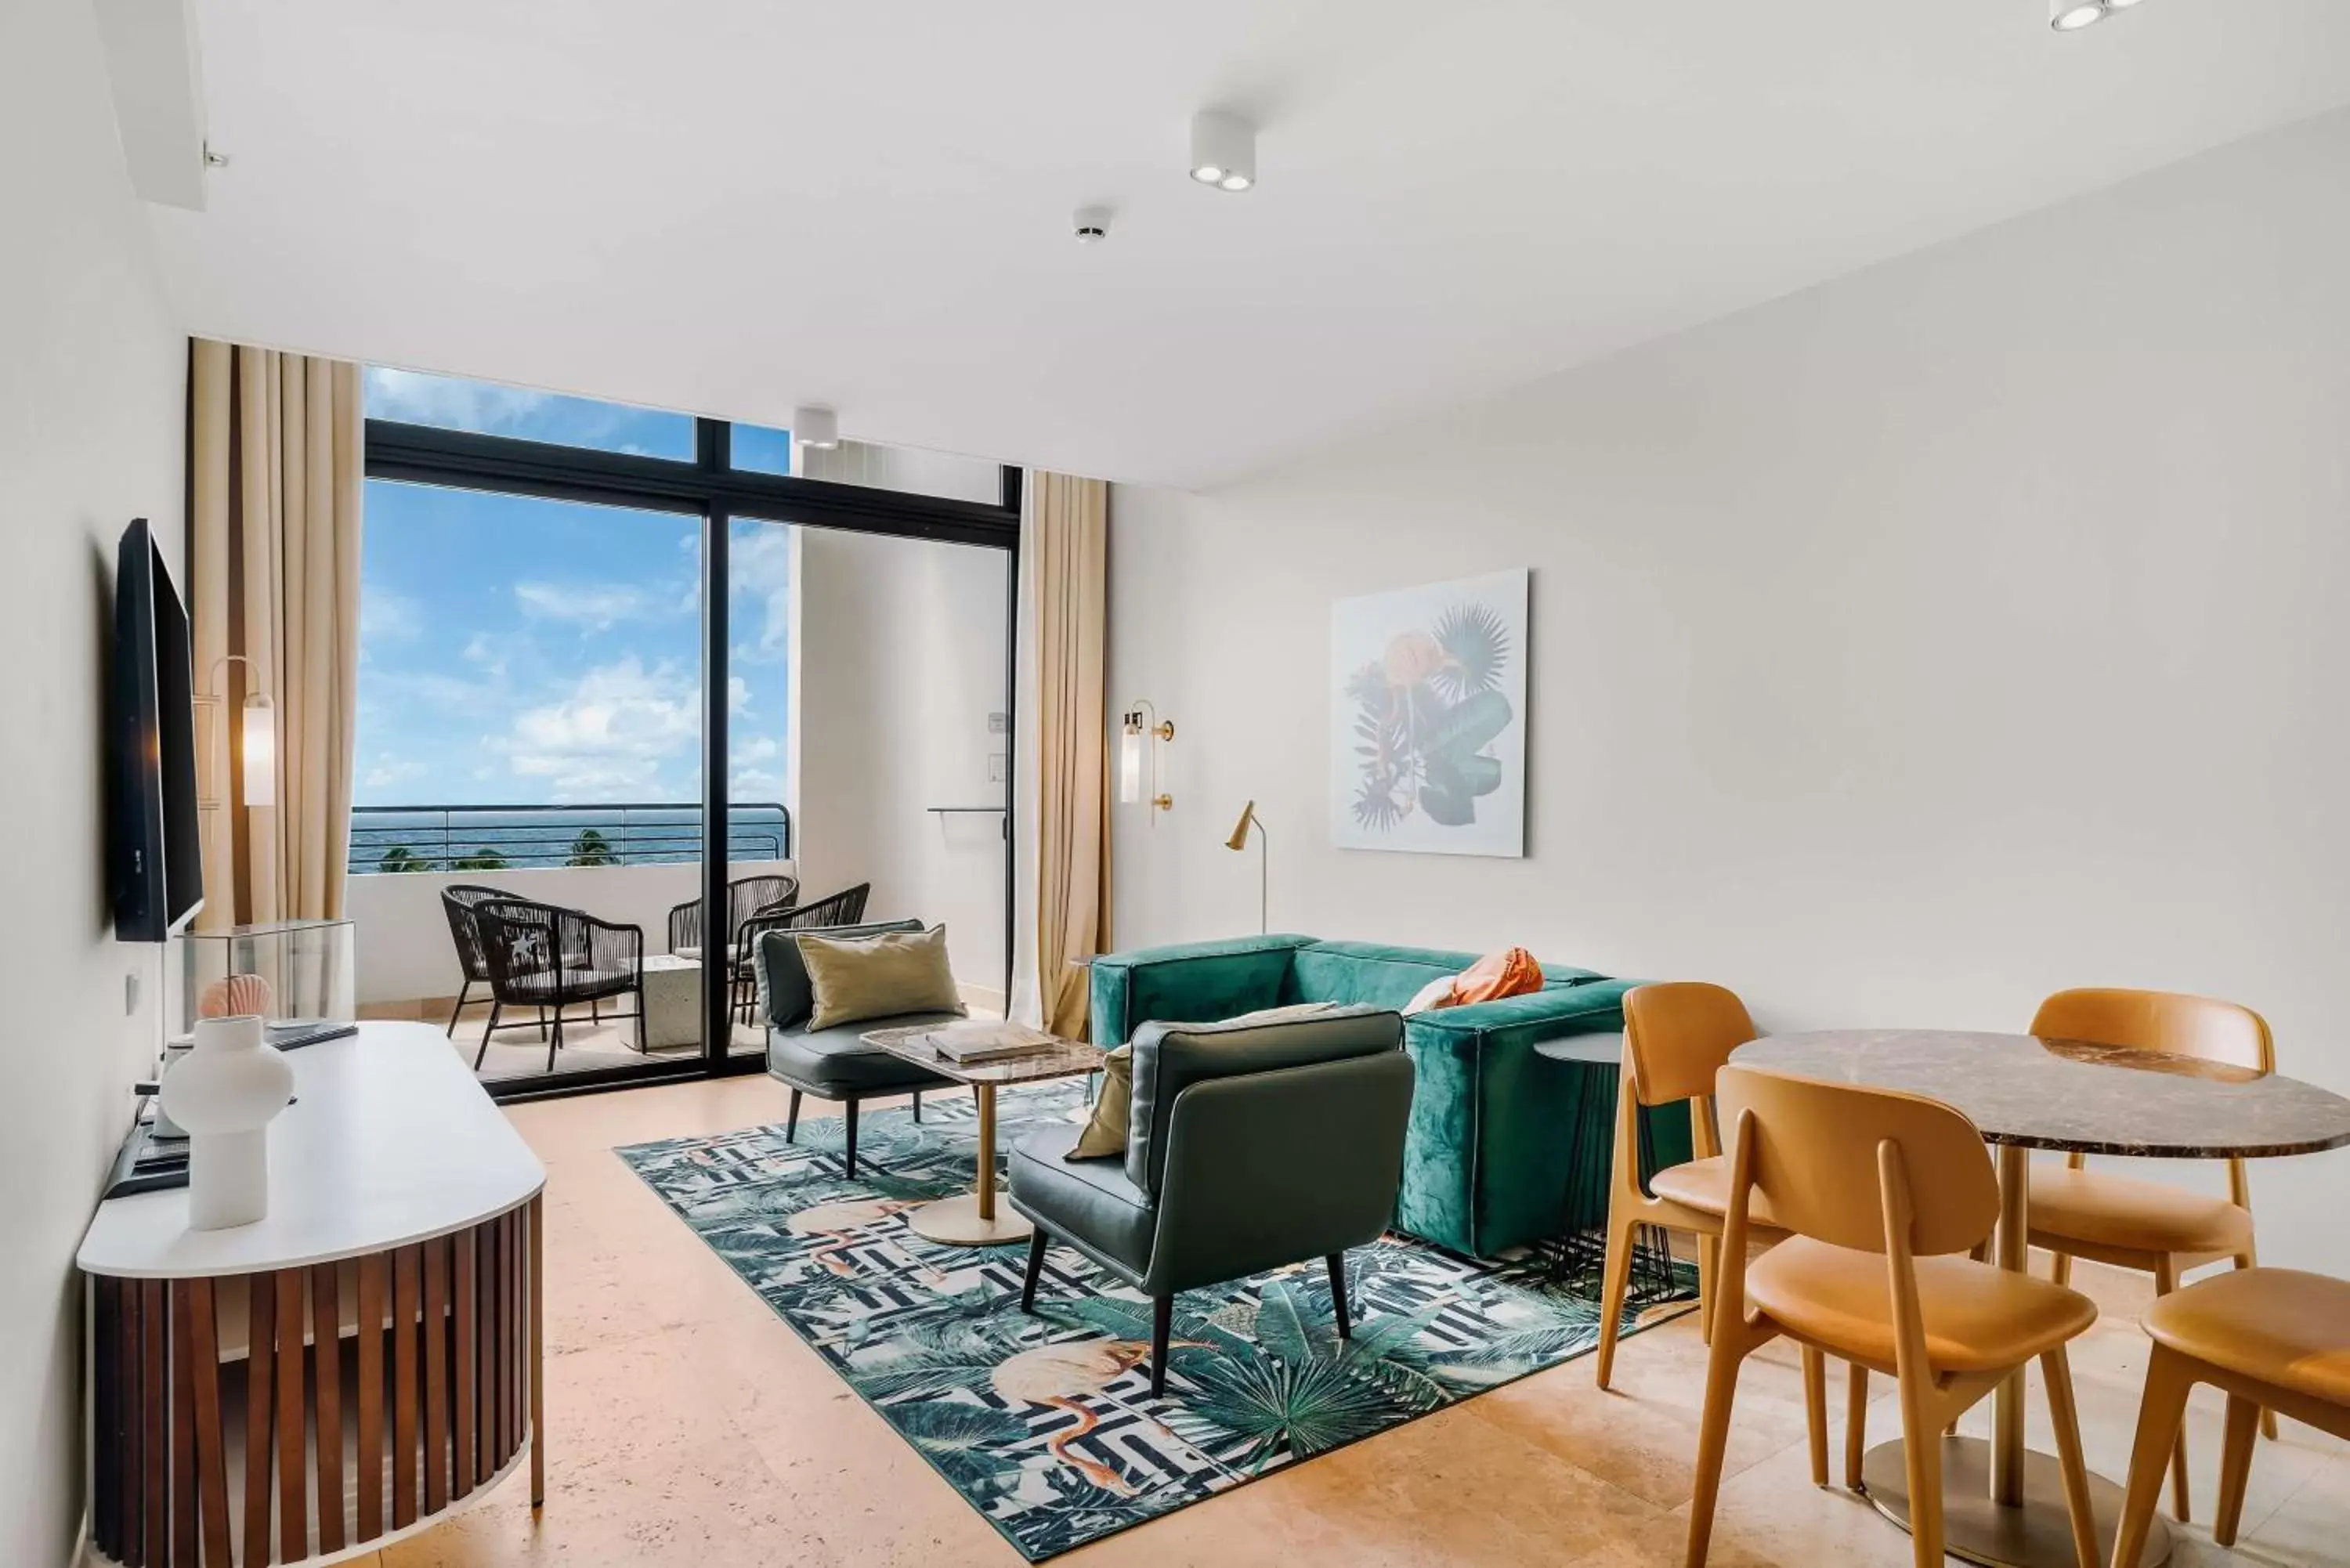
(239, 995)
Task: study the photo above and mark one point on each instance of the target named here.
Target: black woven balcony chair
(845, 907)
(458, 902)
(545, 956)
(745, 897)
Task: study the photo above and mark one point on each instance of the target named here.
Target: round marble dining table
(2004, 1504)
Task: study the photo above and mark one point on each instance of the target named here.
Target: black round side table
(1577, 1255)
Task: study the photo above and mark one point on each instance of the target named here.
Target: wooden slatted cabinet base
(299, 1415)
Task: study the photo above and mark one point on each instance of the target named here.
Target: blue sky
(514, 650)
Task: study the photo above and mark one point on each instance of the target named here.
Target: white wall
(1904, 650)
(897, 660)
(401, 934)
(92, 372)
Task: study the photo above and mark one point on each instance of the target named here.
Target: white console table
(339, 1374)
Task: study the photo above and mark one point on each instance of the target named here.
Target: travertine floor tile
(688, 1425)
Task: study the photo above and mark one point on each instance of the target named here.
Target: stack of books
(968, 1044)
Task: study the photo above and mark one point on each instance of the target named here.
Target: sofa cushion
(1170, 1057)
(836, 1064)
(1377, 975)
(784, 990)
(1084, 1200)
(1105, 1133)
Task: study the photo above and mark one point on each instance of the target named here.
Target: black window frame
(709, 487)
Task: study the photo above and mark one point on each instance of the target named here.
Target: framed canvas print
(1428, 718)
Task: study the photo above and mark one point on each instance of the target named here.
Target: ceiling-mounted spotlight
(1224, 150)
(2072, 15)
(1090, 225)
(818, 427)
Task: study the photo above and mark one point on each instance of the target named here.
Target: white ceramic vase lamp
(225, 1094)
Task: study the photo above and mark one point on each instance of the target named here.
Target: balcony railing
(497, 838)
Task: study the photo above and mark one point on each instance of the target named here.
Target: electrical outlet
(999, 724)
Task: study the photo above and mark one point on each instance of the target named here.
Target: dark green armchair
(1253, 1145)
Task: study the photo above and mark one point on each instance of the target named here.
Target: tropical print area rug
(1045, 1423)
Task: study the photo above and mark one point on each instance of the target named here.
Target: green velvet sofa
(1486, 1152)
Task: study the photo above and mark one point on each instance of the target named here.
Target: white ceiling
(731, 206)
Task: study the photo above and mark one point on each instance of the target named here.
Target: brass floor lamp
(1238, 841)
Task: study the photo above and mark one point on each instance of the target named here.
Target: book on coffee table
(987, 1041)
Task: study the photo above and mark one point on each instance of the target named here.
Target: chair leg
(1855, 1422)
(1709, 1273)
(1163, 1319)
(918, 1105)
(642, 1047)
(1337, 1262)
(2061, 1268)
(2248, 1259)
(487, 1030)
(555, 1040)
(792, 1119)
(542, 1024)
(595, 1010)
(2166, 1279)
(1922, 1444)
(1615, 1281)
(2065, 1416)
(1815, 1410)
(2235, 1467)
(1036, 1244)
(1714, 1438)
(851, 1111)
(462, 991)
(2160, 1413)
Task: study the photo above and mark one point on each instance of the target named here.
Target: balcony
(629, 864)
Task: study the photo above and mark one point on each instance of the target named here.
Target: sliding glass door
(612, 660)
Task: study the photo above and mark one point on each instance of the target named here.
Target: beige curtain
(275, 474)
(1069, 531)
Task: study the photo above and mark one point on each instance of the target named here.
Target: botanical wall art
(1428, 718)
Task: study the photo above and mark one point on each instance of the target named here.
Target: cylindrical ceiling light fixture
(1224, 150)
(2072, 15)
(816, 427)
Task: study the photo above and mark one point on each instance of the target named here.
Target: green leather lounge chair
(1251, 1146)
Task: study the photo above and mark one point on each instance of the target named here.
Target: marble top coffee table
(972, 1219)
(2004, 1504)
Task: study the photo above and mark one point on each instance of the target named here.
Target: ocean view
(500, 838)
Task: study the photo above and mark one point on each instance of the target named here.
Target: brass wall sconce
(258, 749)
(1138, 736)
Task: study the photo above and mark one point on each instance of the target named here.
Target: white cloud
(759, 559)
(387, 617)
(386, 774)
(609, 736)
(755, 784)
(597, 606)
(760, 750)
(446, 401)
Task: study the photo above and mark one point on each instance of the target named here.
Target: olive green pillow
(852, 979)
(1105, 1135)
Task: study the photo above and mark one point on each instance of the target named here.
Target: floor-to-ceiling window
(589, 635)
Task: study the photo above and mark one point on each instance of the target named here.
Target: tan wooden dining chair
(2274, 1339)
(1676, 1037)
(2150, 1226)
(1884, 1195)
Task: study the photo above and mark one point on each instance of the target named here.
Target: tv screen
(156, 862)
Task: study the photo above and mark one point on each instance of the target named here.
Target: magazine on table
(987, 1040)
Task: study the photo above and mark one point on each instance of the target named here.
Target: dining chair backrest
(1678, 1034)
(2203, 1027)
(1816, 1165)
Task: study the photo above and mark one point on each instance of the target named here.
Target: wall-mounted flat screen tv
(156, 863)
